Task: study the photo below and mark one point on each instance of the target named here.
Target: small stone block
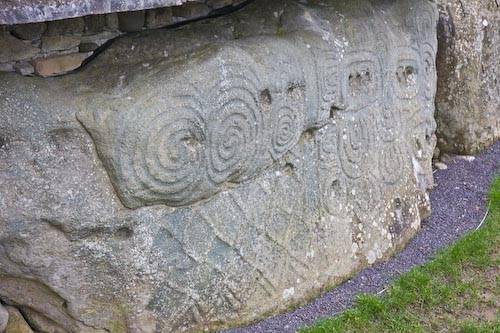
(159, 17)
(112, 22)
(59, 43)
(30, 31)
(94, 23)
(73, 26)
(7, 67)
(59, 64)
(24, 68)
(191, 11)
(131, 21)
(216, 4)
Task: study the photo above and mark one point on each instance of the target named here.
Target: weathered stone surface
(7, 67)
(4, 318)
(468, 98)
(16, 323)
(216, 4)
(74, 26)
(112, 21)
(95, 23)
(207, 176)
(13, 49)
(59, 43)
(131, 21)
(41, 323)
(30, 31)
(24, 68)
(189, 10)
(161, 17)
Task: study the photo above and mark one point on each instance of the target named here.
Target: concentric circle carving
(235, 133)
(287, 129)
(169, 159)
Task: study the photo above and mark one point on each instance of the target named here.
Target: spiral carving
(388, 123)
(366, 195)
(361, 80)
(391, 163)
(334, 186)
(328, 145)
(169, 160)
(428, 81)
(235, 135)
(354, 146)
(286, 131)
(406, 74)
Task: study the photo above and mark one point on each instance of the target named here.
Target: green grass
(458, 291)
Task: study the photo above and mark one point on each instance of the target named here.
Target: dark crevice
(25, 317)
(124, 232)
(3, 141)
(289, 168)
(334, 109)
(265, 97)
(397, 203)
(23, 310)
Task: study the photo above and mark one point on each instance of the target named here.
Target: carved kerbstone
(204, 176)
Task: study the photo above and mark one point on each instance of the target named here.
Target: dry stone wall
(55, 47)
(204, 177)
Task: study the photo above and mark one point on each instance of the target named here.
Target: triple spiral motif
(192, 139)
(215, 135)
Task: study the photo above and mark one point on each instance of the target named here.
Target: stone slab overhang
(28, 11)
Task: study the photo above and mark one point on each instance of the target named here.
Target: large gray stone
(26, 11)
(229, 169)
(468, 95)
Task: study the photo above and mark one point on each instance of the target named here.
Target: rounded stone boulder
(204, 177)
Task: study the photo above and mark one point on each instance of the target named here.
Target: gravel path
(458, 206)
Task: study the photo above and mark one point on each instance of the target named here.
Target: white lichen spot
(354, 247)
(287, 293)
(371, 257)
(416, 224)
